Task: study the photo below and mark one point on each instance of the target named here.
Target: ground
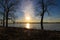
(14, 33)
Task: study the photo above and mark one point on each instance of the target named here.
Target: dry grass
(13, 33)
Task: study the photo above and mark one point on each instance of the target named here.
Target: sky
(27, 10)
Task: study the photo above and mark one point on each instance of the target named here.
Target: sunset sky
(27, 10)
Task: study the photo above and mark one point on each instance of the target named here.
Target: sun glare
(27, 18)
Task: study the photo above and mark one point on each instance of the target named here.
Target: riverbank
(14, 33)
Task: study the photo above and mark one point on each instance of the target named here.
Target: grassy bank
(14, 33)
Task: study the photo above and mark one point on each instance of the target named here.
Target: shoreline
(14, 33)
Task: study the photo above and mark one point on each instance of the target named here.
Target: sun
(27, 18)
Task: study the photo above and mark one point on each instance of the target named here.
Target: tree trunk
(6, 12)
(42, 15)
(42, 22)
(7, 19)
(3, 20)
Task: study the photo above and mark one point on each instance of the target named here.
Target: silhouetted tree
(45, 4)
(8, 6)
(12, 17)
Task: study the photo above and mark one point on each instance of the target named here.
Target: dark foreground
(27, 34)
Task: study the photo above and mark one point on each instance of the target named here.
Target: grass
(14, 33)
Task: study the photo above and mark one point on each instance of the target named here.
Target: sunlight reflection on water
(28, 26)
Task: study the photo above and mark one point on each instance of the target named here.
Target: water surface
(38, 26)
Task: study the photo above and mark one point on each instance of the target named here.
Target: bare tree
(45, 4)
(8, 6)
(12, 17)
